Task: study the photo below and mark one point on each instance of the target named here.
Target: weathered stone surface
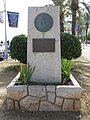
(59, 101)
(16, 105)
(17, 92)
(29, 103)
(68, 92)
(37, 90)
(68, 105)
(44, 98)
(50, 88)
(10, 104)
(47, 63)
(46, 106)
(51, 97)
(77, 105)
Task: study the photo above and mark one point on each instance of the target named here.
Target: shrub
(18, 48)
(70, 46)
(88, 36)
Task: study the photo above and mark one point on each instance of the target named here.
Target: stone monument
(43, 45)
(43, 51)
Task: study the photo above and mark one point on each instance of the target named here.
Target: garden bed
(44, 97)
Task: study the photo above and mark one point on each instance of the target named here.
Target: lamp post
(6, 52)
(74, 7)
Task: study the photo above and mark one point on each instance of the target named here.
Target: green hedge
(70, 46)
(18, 48)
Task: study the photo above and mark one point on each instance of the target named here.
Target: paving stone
(37, 90)
(59, 101)
(77, 105)
(50, 88)
(47, 106)
(17, 92)
(29, 103)
(16, 105)
(10, 104)
(51, 97)
(44, 98)
(68, 92)
(68, 105)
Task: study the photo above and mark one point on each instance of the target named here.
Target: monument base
(44, 97)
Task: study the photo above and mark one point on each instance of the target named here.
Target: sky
(20, 6)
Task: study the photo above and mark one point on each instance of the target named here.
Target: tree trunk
(73, 21)
(61, 22)
(87, 26)
(74, 7)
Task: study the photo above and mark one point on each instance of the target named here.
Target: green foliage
(25, 74)
(18, 48)
(65, 69)
(70, 46)
(88, 36)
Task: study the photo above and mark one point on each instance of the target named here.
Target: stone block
(10, 104)
(29, 103)
(50, 88)
(67, 105)
(44, 98)
(77, 105)
(59, 101)
(37, 90)
(51, 97)
(17, 92)
(68, 92)
(47, 106)
(17, 105)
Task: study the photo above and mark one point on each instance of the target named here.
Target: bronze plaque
(43, 44)
(43, 22)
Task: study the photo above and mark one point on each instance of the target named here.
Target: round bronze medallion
(43, 22)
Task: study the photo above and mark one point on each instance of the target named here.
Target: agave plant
(25, 74)
(65, 69)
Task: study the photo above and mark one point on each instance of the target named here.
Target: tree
(86, 6)
(64, 8)
(74, 7)
(80, 21)
(86, 17)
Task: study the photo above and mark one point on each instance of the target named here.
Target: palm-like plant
(87, 20)
(66, 69)
(25, 74)
(64, 11)
(86, 6)
(86, 17)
